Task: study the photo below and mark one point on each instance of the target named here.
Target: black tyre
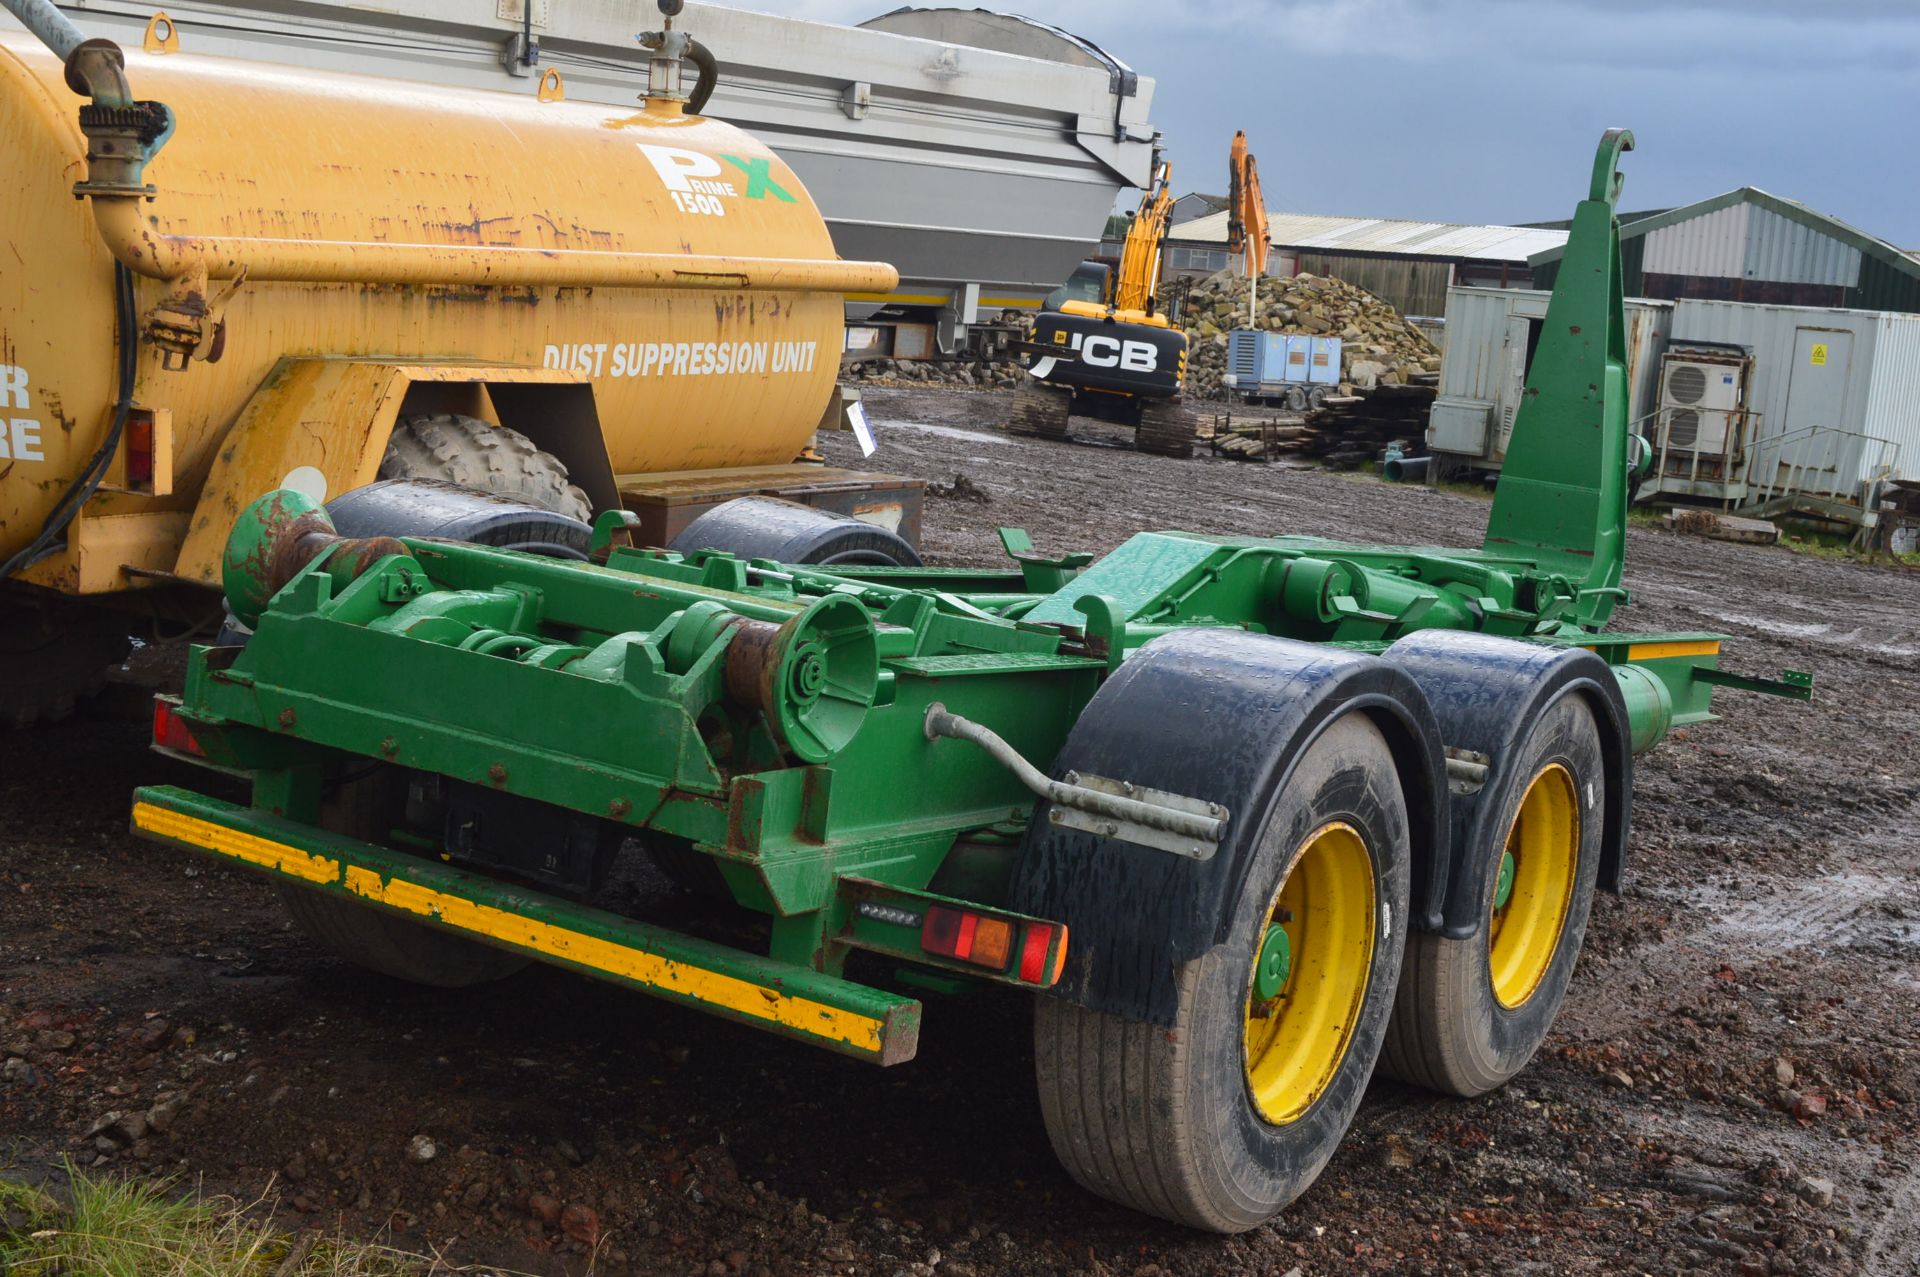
(788, 532)
(435, 508)
(1221, 1119)
(53, 655)
(1166, 429)
(367, 808)
(1040, 410)
(471, 453)
(1471, 1012)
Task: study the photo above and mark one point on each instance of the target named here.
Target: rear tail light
(966, 936)
(1043, 951)
(170, 731)
(982, 940)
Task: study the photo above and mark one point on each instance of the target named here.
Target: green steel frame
(775, 718)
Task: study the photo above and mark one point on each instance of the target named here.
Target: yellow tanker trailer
(249, 272)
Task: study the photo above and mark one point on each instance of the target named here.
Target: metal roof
(1794, 211)
(1385, 237)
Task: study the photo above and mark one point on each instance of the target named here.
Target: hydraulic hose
(709, 76)
(127, 337)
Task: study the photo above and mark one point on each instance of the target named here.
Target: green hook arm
(1606, 165)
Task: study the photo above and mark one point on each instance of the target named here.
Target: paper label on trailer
(1817, 354)
(857, 418)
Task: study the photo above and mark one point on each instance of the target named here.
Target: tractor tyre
(54, 654)
(1471, 1012)
(471, 453)
(1040, 411)
(1166, 429)
(366, 807)
(1221, 1119)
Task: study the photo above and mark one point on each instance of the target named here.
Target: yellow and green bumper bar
(853, 1019)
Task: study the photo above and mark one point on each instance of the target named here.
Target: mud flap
(1220, 715)
(1485, 692)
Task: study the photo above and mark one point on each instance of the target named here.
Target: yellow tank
(671, 263)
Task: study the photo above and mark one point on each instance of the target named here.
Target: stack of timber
(1346, 431)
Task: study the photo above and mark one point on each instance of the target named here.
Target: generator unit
(1295, 371)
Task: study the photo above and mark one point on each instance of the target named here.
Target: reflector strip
(700, 984)
(170, 732)
(1659, 651)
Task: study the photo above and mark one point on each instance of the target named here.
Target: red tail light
(170, 731)
(967, 937)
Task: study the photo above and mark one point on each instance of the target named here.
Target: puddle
(1833, 911)
(945, 432)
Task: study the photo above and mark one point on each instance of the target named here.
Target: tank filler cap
(669, 49)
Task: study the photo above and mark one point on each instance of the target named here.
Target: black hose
(709, 76)
(127, 337)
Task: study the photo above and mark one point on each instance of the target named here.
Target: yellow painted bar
(868, 1036)
(1660, 651)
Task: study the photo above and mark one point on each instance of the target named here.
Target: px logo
(700, 183)
(1112, 352)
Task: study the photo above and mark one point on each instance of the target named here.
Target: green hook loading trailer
(1253, 816)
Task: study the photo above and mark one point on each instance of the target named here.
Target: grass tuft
(117, 1227)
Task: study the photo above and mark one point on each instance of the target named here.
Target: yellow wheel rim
(1533, 891)
(1320, 927)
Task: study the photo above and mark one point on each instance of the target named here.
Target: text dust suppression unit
(1251, 816)
(564, 303)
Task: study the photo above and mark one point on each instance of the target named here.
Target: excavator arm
(1246, 211)
(1139, 273)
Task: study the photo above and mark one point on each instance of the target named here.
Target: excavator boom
(1246, 210)
(1134, 282)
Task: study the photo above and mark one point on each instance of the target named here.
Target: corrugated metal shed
(1754, 240)
(1447, 241)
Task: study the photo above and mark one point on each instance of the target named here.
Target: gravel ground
(1733, 1087)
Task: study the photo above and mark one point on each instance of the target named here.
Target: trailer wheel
(366, 807)
(1471, 1012)
(1040, 411)
(1166, 429)
(53, 655)
(487, 458)
(1226, 1116)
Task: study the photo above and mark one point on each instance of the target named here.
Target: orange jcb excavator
(1113, 354)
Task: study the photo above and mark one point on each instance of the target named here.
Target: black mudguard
(1220, 715)
(1485, 691)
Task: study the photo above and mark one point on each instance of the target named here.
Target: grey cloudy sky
(1488, 110)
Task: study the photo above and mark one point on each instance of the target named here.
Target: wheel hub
(1275, 964)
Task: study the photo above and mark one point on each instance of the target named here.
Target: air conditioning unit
(1702, 390)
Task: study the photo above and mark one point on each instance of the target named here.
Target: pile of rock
(1378, 346)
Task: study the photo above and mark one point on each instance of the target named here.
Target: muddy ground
(1733, 1087)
